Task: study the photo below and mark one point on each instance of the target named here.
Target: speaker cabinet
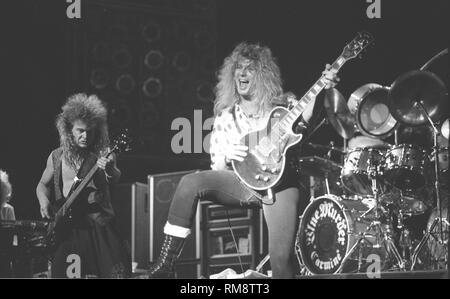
(131, 207)
(161, 188)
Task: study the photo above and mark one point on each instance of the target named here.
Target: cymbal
(445, 129)
(319, 167)
(417, 86)
(338, 113)
(326, 147)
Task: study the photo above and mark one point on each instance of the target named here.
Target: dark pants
(99, 252)
(224, 187)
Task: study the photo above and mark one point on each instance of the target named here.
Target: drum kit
(387, 187)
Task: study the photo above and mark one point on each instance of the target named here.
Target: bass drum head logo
(324, 236)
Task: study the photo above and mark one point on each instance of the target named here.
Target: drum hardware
(426, 238)
(357, 166)
(338, 113)
(438, 220)
(317, 127)
(303, 269)
(433, 59)
(330, 147)
(382, 235)
(437, 248)
(405, 239)
(319, 167)
(327, 183)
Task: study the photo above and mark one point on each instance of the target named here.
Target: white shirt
(227, 131)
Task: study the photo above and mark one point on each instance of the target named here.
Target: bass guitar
(120, 144)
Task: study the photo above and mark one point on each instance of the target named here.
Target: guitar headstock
(362, 40)
(121, 142)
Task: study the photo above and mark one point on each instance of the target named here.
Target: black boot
(170, 251)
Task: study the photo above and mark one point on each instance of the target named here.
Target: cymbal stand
(438, 220)
(327, 182)
(405, 241)
(396, 136)
(385, 235)
(381, 235)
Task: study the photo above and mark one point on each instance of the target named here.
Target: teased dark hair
(90, 110)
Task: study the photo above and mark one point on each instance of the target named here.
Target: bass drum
(328, 230)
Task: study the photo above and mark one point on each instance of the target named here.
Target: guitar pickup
(258, 177)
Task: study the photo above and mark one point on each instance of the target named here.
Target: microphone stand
(437, 220)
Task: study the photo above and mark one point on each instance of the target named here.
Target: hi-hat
(338, 113)
(417, 87)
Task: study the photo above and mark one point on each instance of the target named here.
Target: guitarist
(249, 85)
(88, 232)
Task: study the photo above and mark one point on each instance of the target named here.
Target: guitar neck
(290, 118)
(62, 212)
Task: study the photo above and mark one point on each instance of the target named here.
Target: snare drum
(357, 166)
(328, 230)
(404, 166)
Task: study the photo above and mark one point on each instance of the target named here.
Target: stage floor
(438, 274)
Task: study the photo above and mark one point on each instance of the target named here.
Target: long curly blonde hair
(91, 111)
(268, 78)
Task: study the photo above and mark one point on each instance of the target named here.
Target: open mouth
(243, 84)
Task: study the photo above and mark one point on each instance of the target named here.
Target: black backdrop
(304, 35)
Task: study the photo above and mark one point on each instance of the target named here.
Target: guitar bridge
(265, 147)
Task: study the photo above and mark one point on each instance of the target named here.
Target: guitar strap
(233, 112)
(86, 165)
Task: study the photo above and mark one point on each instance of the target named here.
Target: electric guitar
(120, 144)
(264, 164)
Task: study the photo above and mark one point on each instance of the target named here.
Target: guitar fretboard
(289, 119)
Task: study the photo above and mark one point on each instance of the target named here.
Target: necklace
(256, 115)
